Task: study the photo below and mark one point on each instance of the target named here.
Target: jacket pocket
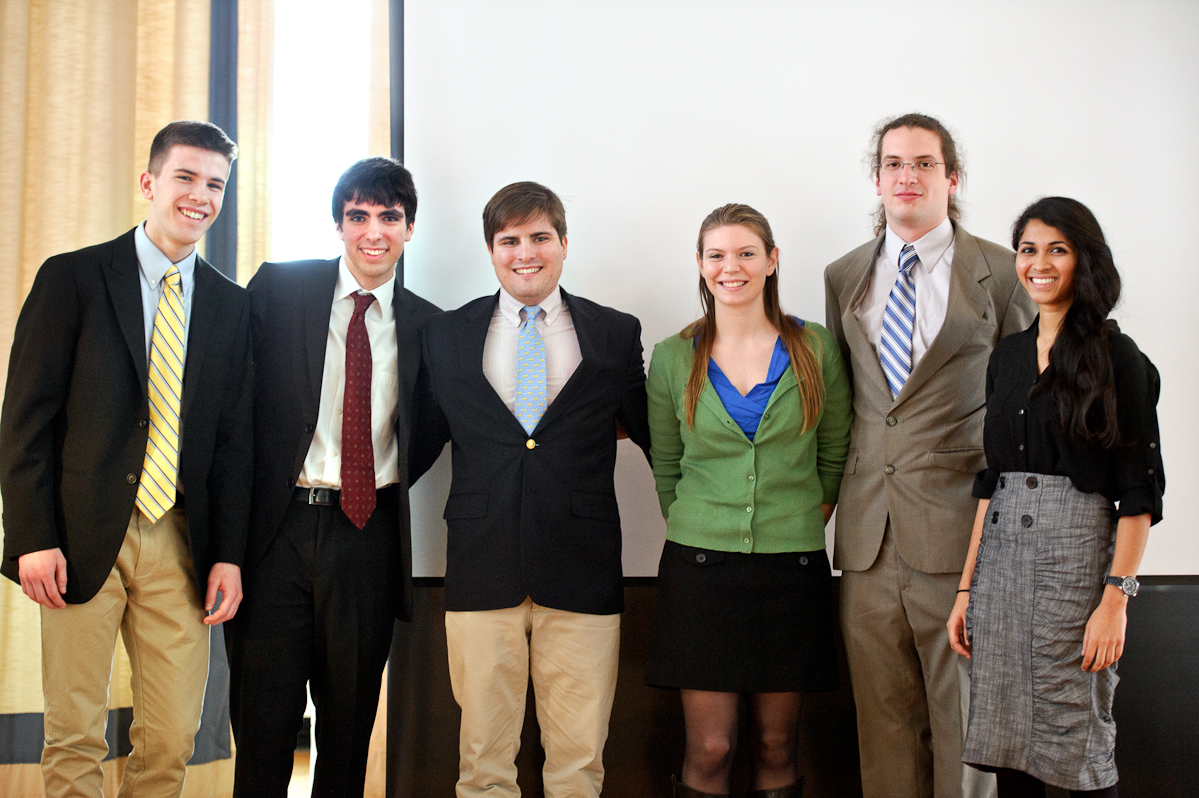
(465, 505)
(596, 506)
(968, 461)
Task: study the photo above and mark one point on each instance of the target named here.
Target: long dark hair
(1080, 375)
(798, 341)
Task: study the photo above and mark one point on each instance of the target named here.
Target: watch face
(1130, 586)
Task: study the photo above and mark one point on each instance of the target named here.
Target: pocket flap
(968, 461)
(465, 505)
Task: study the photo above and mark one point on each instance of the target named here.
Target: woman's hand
(957, 626)
(1103, 642)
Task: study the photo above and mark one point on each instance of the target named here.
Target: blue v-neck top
(747, 410)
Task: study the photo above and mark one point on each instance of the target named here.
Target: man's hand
(44, 577)
(225, 577)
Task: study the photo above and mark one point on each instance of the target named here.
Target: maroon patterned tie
(357, 449)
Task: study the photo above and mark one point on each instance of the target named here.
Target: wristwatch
(1128, 584)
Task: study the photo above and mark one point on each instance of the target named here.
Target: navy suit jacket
(531, 515)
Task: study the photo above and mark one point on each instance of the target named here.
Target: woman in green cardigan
(749, 413)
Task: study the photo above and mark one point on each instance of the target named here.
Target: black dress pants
(319, 608)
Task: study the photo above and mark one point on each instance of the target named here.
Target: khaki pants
(572, 658)
(910, 693)
(151, 599)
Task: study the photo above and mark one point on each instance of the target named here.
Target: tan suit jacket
(914, 458)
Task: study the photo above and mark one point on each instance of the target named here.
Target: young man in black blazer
(530, 384)
(125, 464)
(328, 564)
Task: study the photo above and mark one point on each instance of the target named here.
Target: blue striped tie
(529, 404)
(899, 319)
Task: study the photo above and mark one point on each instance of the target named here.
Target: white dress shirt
(931, 276)
(153, 266)
(562, 355)
(322, 465)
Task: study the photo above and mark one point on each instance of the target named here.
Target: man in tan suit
(917, 312)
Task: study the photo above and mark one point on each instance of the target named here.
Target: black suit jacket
(74, 427)
(538, 522)
(290, 306)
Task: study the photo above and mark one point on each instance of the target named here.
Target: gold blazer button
(530, 443)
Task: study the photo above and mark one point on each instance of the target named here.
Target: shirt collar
(511, 307)
(929, 248)
(155, 265)
(348, 284)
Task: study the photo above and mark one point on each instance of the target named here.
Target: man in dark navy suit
(328, 563)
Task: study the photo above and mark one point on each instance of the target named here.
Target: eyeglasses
(923, 167)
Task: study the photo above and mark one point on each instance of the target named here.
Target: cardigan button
(1031, 482)
(1002, 482)
(1026, 521)
(701, 558)
(995, 517)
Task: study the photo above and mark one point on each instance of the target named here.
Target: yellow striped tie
(156, 491)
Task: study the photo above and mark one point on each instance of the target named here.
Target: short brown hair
(189, 133)
(519, 203)
(949, 151)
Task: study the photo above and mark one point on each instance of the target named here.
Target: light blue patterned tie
(530, 401)
(899, 319)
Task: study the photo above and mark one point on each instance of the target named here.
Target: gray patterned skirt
(1045, 550)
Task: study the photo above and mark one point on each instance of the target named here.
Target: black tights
(1018, 784)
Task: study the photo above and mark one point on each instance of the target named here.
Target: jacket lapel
(589, 333)
(865, 357)
(199, 329)
(472, 340)
(318, 305)
(966, 307)
(125, 292)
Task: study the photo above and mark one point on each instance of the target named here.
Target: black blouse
(1024, 435)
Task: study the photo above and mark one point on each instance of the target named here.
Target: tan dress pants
(572, 658)
(151, 599)
(910, 693)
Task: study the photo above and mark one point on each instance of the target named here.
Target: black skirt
(743, 623)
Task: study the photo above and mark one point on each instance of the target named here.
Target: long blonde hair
(798, 341)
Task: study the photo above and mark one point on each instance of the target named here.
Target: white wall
(644, 116)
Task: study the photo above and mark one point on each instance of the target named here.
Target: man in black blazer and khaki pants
(125, 464)
(328, 565)
(530, 385)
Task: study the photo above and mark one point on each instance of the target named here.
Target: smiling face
(185, 198)
(1045, 262)
(374, 237)
(735, 264)
(528, 259)
(915, 202)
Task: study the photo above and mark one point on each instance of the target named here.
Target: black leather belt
(322, 497)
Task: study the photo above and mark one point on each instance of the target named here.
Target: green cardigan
(718, 489)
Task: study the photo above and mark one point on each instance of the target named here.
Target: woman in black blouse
(1073, 482)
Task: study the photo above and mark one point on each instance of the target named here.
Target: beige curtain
(255, 79)
(84, 85)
